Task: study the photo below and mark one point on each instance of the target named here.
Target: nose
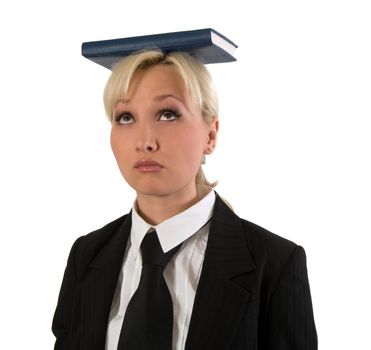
(146, 140)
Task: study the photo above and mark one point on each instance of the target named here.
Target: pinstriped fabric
(290, 317)
(253, 292)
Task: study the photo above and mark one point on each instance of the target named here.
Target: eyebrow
(163, 97)
(160, 98)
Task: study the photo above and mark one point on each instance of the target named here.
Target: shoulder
(269, 251)
(257, 237)
(266, 243)
(86, 247)
(103, 233)
(272, 252)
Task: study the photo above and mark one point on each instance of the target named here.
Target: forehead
(158, 79)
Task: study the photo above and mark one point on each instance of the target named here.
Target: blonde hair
(195, 75)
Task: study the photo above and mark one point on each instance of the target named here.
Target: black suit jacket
(253, 292)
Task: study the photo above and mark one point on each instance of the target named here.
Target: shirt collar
(176, 229)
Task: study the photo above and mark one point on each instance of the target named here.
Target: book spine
(180, 41)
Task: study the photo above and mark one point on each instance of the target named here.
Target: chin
(160, 187)
(153, 192)
(152, 189)
(157, 191)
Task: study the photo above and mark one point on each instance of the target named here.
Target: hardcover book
(207, 45)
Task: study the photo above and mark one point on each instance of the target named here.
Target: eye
(124, 118)
(169, 114)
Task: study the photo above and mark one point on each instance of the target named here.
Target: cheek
(114, 143)
(188, 145)
(117, 145)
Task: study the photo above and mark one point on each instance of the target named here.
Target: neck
(156, 209)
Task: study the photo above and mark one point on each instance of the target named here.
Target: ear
(212, 136)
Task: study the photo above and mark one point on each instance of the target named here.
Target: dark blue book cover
(207, 45)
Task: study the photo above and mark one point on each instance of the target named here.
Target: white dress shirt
(190, 227)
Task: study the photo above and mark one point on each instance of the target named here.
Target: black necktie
(148, 321)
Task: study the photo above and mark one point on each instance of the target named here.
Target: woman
(231, 284)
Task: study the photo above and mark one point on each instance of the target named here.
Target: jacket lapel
(99, 286)
(220, 302)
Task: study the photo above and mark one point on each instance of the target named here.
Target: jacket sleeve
(290, 322)
(64, 311)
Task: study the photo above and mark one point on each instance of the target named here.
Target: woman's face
(159, 136)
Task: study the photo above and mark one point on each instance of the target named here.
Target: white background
(293, 154)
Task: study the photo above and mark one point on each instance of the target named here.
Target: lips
(148, 166)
